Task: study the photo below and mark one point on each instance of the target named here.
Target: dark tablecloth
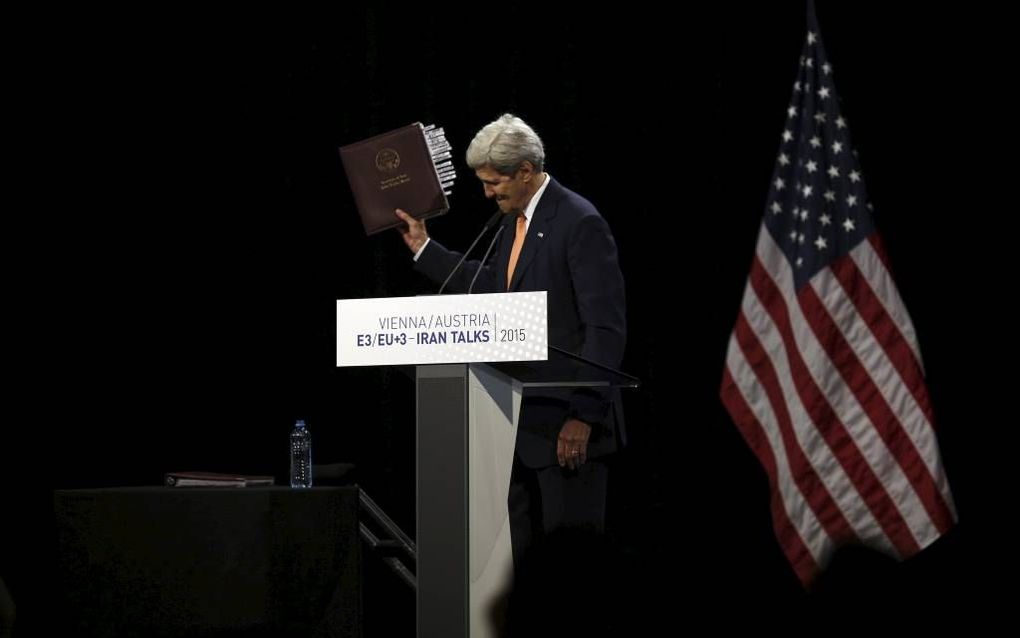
(209, 561)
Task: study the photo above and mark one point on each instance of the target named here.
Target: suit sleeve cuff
(422, 249)
(589, 407)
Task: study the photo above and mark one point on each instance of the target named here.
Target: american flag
(823, 373)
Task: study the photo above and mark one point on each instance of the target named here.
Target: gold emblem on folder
(387, 160)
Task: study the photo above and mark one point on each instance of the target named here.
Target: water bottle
(300, 456)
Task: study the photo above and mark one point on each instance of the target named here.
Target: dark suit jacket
(569, 252)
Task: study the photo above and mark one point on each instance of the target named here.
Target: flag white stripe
(801, 516)
(874, 271)
(856, 420)
(886, 378)
(817, 451)
(889, 384)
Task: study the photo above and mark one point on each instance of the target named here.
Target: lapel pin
(540, 235)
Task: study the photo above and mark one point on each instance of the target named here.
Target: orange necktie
(515, 252)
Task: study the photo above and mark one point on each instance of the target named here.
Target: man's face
(509, 191)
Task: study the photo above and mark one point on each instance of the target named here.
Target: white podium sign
(511, 326)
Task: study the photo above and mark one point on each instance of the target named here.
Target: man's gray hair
(504, 145)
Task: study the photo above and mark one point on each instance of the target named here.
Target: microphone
(486, 257)
(488, 225)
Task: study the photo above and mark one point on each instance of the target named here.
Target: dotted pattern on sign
(516, 311)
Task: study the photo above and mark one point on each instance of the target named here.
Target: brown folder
(393, 170)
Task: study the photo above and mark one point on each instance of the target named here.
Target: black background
(186, 228)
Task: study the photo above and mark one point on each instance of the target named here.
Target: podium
(467, 417)
(474, 355)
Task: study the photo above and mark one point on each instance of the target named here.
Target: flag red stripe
(879, 247)
(873, 262)
(754, 434)
(870, 397)
(810, 484)
(869, 488)
(887, 333)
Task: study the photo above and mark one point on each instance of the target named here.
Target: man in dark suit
(553, 240)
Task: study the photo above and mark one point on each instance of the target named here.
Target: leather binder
(393, 170)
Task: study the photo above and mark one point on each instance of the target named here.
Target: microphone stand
(485, 257)
(489, 224)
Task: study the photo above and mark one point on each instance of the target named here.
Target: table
(159, 561)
